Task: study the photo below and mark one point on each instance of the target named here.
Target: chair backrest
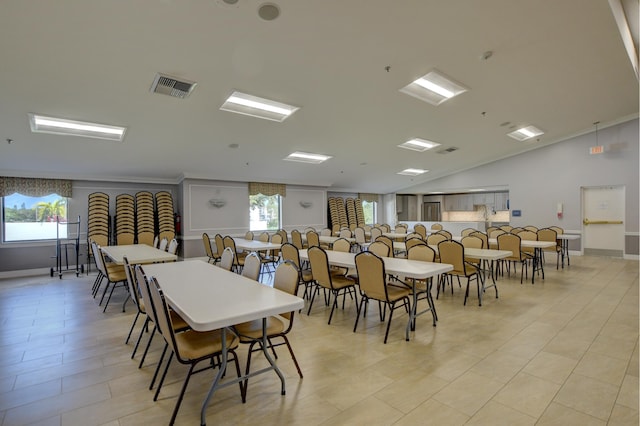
(163, 318)
(401, 229)
(163, 244)
(558, 230)
(156, 241)
(173, 246)
(289, 252)
(342, 244)
(371, 275)
(145, 238)
(143, 285)
(125, 238)
(436, 227)
(283, 234)
(421, 252)
(388, 242)
(547, 234)
(132, 285)
(411, 242)
(379, 248)
(207, 246)
(506, 228)
(227, 258)
(219, 244)
(490, 229)
(251, 268)
(248, 235)
(412, 235)
(313, 239)
(467, 231)
(496, 232)
(320, 266)
(335, 229)
(435, 239)
(452, 252)
(286, 279)
(367, 228)
(421, 230)
(471, 241)
(345, 233)
(296, 238)
(359, 235)
(264, 237)
(276, 239)
(446, 234)
(516, 230)
(98, 257)
(511, 242)
(375, 233)
(309, 228)
(483, 237)
(229, 242)
(528, 235)
(386, 227)
(531, 228)
(325, 232)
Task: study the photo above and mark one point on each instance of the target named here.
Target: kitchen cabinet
(501, 201)
(459, 202)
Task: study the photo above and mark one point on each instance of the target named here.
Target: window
(370, 213)
(33, 218)
(264, 212)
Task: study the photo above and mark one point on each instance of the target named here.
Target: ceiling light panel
(434, 88)
(306, 157)
(525, 133)
(412, 172)
(63, 126)
(419, 145)
(254, 106)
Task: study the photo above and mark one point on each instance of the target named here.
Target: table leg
(214, 385)
(268, 357)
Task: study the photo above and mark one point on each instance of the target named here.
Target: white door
(603, 220)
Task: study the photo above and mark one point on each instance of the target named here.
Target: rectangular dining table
(537, 246)
(413, 269)
(564, 246)
(210, 298)
(255, 245)
(137, 254)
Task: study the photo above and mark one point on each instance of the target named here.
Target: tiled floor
(561, 352)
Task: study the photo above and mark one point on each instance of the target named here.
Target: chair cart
(62, 248)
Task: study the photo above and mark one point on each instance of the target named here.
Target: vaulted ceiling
(558, 65)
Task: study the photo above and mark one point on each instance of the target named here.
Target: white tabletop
(484, 254)
(137, 254)
(255, 245)
(568, 236)
(394, 234)
(209, 297)
(529, 243)
(396, 266)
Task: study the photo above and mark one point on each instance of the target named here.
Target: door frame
(583, 189)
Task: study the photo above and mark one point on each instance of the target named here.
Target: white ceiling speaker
(269, 11)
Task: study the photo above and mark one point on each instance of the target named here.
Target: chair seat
(117, 275)
(340, 281)
(178, 322)
(307, 275)
(252, 330)
(196, 344)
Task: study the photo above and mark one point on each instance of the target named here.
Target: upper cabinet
(498, 201)
(458, 202)
(501, 201)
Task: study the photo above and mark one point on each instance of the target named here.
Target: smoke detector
(172, 86)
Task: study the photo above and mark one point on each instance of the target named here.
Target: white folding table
(137, 254)
(211, 298)
(564, 247)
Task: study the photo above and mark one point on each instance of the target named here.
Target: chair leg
(144, 326)
(164, 375)
(146, 350)
(184, 388)
(334, 305)
(155, 374)
(132, 326)
(360, 306)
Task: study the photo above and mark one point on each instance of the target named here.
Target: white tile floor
(561, 352)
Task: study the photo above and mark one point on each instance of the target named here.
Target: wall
(41, 254)
(540, 179)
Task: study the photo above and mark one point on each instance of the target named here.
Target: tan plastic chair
(467, 231)
(452, 252)
(114, 274)
(548, 234)
(336, 284)
(312, 239)
(511, 242)
(436, 227)
(446, 234)
(373, 286)
(248, 236)
(290, 253)
(296, 239)
(238, 258)
(252, 266)
(411, 242)
(421, 230)
(388, 242)
(206, 241)
(379, 248)
(285, 279)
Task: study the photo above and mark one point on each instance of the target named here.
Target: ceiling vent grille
(448, 150)
(171, 86)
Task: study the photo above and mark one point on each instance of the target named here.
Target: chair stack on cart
(145, 218)
(67, 238)
(98, 222)
(166, 224)
(125, 222)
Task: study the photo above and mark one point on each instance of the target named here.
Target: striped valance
(371, 198)
(265, 188)
(35, 187)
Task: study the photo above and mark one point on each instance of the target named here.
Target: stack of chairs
(166, 224)
(351, 213)
(338, 213)
(125, 222)
(98, 223)
(145, 218)
(359, 212)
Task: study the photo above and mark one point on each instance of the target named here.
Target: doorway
(603, 210)
(431, 211)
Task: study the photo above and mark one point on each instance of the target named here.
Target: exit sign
(596, 149)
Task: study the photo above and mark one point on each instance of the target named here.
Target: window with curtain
(31, 208)
(265, 206)
(369, 207)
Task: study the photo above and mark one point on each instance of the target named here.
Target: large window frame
(265, 212)
(370, 210)
(29, 219)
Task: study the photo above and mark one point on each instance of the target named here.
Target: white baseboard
(631, 257)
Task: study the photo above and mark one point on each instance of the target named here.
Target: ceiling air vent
(167, 85)
(448, 150)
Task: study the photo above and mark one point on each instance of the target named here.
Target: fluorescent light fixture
(62, 126)
(417, 144)
(436, 192)
(255, 106)
(412, 172)
(434, 88)
(476, 190)
(525, 133)
(306, 157)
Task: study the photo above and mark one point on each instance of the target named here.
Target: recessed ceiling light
(62, 126)
(525, 133)
(434, 88)
(412, 172)
(255, 106)
(417, 144)
(306, 157)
